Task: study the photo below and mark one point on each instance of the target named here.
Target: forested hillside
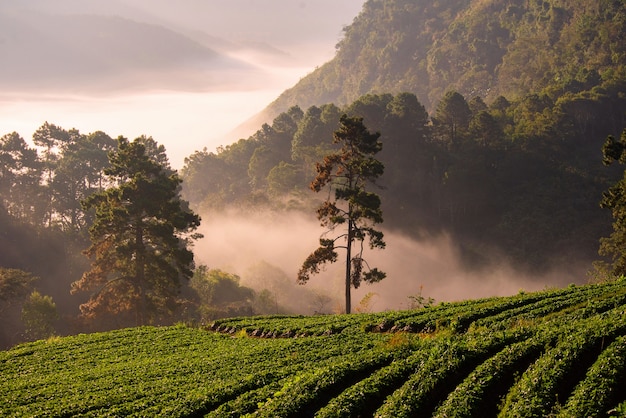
(486, 48)
(492, 116)
(518, 181)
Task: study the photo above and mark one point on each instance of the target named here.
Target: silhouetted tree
(51, 138)
(347, 172)
(614, 199)
(452, 117)
(78, 174)
(20, 174)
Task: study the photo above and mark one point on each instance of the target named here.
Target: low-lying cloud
(241, 243)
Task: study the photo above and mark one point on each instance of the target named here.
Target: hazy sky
(141, 66)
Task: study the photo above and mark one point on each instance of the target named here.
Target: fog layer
(239, 243)
(186, 73)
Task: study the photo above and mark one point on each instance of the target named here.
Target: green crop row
(160, 371)
(306, 391)
(598, 392)
(446, 365)
(480, 392)
(548, 379)
(287, 326)
(457, 316)
(369, 393)
(570, 360)
(552, 303)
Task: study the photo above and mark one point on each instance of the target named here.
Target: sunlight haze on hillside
(186, 73)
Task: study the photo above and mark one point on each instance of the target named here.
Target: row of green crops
(558, 352)
(500, 313)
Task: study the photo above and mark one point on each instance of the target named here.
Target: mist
(240, 244)
(187, 73)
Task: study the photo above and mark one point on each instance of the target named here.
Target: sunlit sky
(283, 39)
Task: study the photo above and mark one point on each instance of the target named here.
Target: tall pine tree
(352, 207)
(140, 237)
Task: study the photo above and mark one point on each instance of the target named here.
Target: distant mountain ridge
(260, 36)
(91, 51)
(481, 48)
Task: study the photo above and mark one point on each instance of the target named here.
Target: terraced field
(553, 353)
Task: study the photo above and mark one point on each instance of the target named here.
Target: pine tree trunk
(140, 274)
(348, 268)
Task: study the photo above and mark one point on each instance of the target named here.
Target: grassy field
(555, 353)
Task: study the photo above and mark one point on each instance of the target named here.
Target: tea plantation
(558, 353)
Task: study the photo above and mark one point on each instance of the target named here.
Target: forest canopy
(492, 115)
(486, 48)
(521, 179)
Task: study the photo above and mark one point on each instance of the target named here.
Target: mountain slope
(541, 83)
(482, 48)
(554, 353)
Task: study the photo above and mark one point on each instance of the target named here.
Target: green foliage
(550, 377)
(140, 236)
(78, 174)
(15, 283)
(595, 394)
(479, 393)
(220, 294)
(452, 118)
(619, 411)
(44, 185)
(615, 200)
(39, 314)
(486, 48)
(20, 172)
(568, 362)
(365, 394)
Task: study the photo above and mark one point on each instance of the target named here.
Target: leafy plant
(568, 362)
(39, 314)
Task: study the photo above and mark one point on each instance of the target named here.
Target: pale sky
(63, 69)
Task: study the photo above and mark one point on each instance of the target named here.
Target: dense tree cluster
(116, 201)
(521, 176)
(614, 199)
(43, 228)
(43, 185)
(488, 48)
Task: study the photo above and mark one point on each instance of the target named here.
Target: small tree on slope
(351, 207)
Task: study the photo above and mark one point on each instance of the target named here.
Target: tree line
(497, 48)
(488, 174)
(511, 180)
(95, 235)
